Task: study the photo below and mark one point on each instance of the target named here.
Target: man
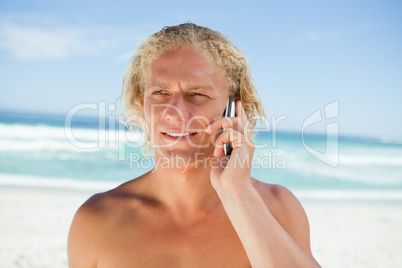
(202, 208)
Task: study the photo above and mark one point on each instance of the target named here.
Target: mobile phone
(229, 112)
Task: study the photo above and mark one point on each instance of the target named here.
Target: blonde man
(202, 208)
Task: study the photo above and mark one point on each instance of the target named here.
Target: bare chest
(211, 243)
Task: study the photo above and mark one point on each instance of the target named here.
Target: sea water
(40, 150)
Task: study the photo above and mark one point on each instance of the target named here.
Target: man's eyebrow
(199, 86)
(158, 85)
(190, 87)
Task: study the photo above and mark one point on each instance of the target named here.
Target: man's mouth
(180, 134)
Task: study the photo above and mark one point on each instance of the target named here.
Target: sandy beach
(35, 221)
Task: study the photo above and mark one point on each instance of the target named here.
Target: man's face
(184, 92)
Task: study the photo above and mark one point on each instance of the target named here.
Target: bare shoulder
(99, 205)
(81, 245)
(279, 199)
(83, 238)
(92, 221)
(288, 211)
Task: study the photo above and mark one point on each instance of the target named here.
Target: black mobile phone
(229, 112)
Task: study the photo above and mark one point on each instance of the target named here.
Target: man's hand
(233, 170)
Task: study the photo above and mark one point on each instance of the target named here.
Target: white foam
(394, 140)
(18, 131)
(68, 183)
(47, 138)
(389, 195)
(368, 175)
(364, 159)
(38, 146)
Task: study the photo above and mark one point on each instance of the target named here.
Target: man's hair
(215, 45)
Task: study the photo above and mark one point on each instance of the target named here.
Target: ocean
(38, 150)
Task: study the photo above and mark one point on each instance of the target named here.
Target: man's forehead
(187, 67)
(188, 79)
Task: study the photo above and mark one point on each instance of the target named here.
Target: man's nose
(178, 109)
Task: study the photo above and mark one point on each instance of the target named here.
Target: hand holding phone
(229, 112)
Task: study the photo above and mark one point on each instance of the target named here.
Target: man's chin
(187, 156)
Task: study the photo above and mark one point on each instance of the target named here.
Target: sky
(304, 55)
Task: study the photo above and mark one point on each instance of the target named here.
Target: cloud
(52, 42)
(313, 36)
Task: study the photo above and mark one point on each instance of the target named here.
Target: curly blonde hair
(215, 45)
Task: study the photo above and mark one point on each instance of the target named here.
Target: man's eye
(158, 92)
(198, 94)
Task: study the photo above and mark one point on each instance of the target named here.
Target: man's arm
(267, 242)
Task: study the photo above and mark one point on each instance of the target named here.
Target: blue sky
(303, 54)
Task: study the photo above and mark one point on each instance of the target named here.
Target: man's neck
(184, 189)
